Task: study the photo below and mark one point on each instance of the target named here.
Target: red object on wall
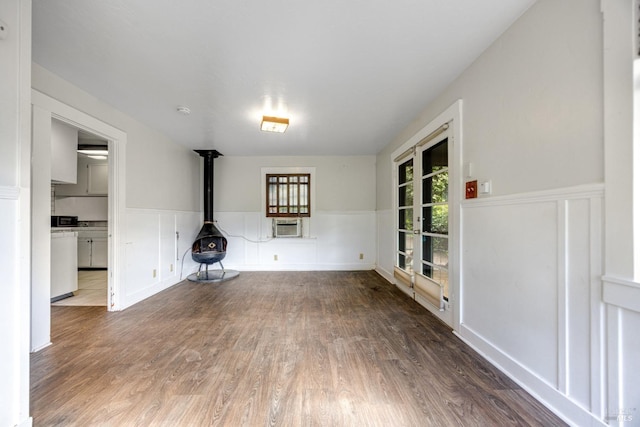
(471, 190)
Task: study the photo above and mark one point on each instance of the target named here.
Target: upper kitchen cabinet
(97, 179)
(64, 143)
(92, 179)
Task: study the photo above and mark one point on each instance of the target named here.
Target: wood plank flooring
(270, 349)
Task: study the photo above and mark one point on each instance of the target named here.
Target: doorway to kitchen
(44, 110)
(85, 203)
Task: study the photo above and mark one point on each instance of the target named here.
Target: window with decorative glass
(288, 195)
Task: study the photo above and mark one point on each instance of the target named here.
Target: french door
(422, 256)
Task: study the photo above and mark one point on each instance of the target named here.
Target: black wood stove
(210, 245)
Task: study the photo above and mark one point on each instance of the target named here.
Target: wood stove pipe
(209, 156)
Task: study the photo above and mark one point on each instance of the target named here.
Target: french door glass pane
(405, 172)
(405, 216)
(435, 219)
(435, 214)
(437, 249)
(402, 261)
(435, 188)
(435, 158)
(405, 195)
(405, 242)
(405, 219)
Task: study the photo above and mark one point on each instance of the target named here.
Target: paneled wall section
(157, 253)
(531, 292)
(335, 241)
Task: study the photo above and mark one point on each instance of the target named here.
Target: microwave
(64, 221)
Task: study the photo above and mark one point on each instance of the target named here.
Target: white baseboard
(387, 275)
(544, 392)
(301, 267)
(40, 347)
(129, 300)
(26, 423)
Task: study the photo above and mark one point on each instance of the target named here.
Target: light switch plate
(485, 187)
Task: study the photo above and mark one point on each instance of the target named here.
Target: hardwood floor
(270, 348)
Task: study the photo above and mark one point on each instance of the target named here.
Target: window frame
(289, 184)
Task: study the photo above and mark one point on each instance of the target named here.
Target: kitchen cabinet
(99, 252)
(64, 264)
(84, 252)
(92, 249)
(93, 179)
(64, 157)
(97, 179)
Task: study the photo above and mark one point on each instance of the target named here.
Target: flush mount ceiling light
(94, 152)
(274, 124)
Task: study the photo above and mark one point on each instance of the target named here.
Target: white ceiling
(350, 75)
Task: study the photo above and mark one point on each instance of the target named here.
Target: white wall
(532, 252)
(15, 150)
(344, 183)
(342, 225)
(532, 104)
(157, 169)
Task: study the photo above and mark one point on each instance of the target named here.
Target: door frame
(453, 117)
(44, 107)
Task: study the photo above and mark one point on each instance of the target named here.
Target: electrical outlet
(361, 256)
(275, 257)
(170, 267)
(154, 273)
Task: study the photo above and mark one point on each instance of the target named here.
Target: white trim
(562, 289)
(37, 349)
(160, 211)
(388, 276)
(544, 392)
(9, 193)
(598, 396)
(566, 193)
(26, 423)
(265, 223)
(621, 293)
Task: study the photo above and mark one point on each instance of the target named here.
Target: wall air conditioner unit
(287, 227)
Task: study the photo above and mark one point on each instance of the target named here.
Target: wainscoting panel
(510, 281)
(531, 293)
(333, 241)
(152, 249)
